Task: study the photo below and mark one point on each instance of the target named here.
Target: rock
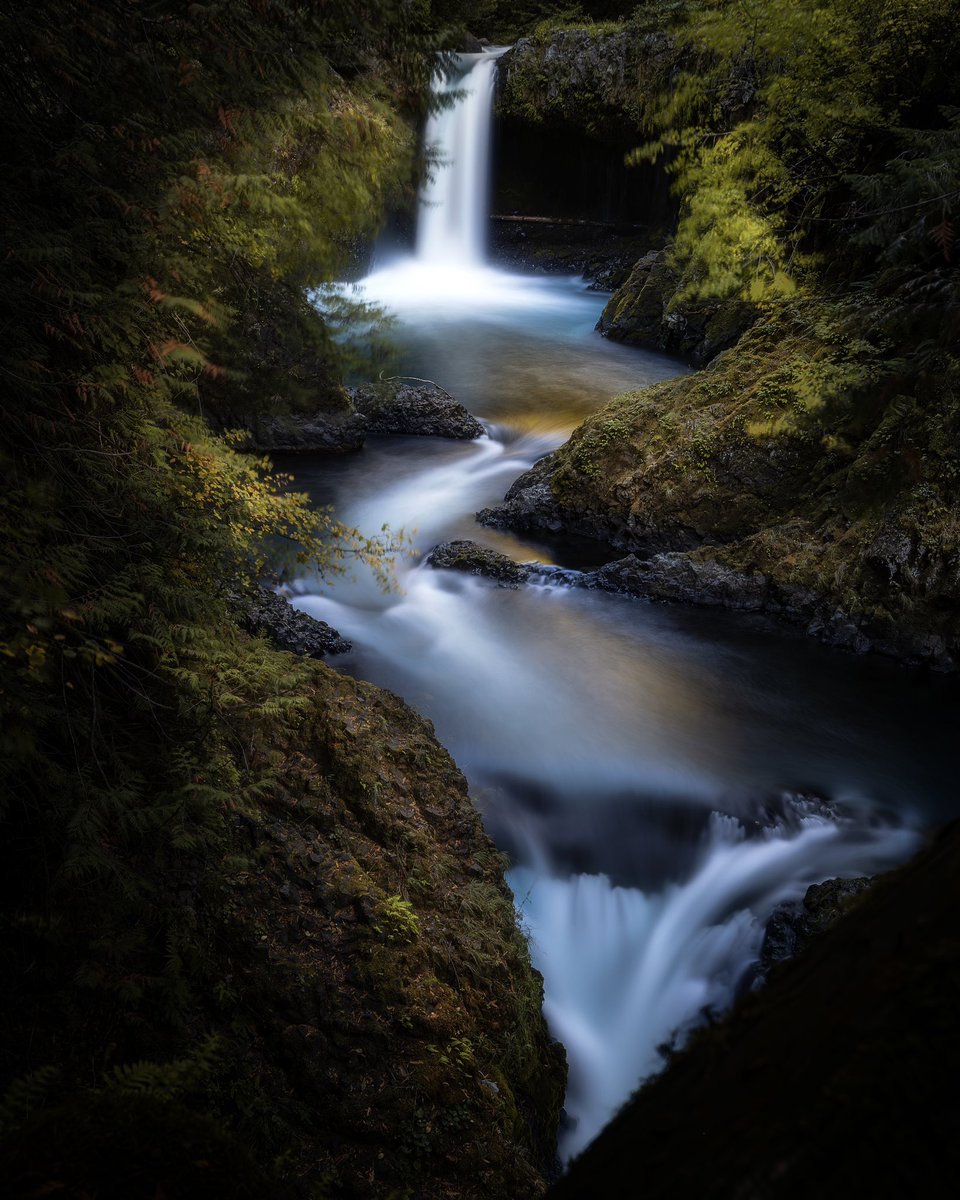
(420, 408)
(479, 560)
(677, 576)
(266, 612)
(529, 505)
(640, 313)
(584, 76)
(335, 433)
(793, 925)
(471, 45)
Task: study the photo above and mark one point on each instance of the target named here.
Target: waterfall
(454, 200)
(447, 277)
(624, 755)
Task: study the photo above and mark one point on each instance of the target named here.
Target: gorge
(642, 773)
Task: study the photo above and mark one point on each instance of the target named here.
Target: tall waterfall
(454, 200)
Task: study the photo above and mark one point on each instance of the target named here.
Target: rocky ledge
(265, 612)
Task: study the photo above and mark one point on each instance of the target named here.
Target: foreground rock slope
(365, 1014)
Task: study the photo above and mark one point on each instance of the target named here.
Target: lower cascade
(657, 786)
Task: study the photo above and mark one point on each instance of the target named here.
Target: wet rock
(529, 505)
(269, 614)
(793, 925)
(642, 312)
(418, 407)
(479, 560)
(471, 45)
(677, 576)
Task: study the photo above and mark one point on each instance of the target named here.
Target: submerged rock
(267, 613)
(420, 408)
(479, 560)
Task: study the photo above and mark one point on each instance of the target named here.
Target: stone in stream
(479, 560)
(419, 407)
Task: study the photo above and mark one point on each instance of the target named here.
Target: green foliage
(804, 132)
(396, 920)
(178, 179)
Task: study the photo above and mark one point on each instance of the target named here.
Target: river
(656, 774)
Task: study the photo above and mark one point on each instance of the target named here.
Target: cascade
(623, 754)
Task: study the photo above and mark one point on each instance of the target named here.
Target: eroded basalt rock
(265, 612)
(418, 407)
(475, 559)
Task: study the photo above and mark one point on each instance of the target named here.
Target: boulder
(416, 407)
(479, 560)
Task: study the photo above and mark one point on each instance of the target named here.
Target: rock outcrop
(416, 407)
(722, 498)
(419, 408)
(268, 613)
(643, 312)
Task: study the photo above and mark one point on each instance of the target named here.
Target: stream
(658, 775)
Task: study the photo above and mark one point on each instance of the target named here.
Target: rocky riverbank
(835, 1079)
(365, 1016)
(721, 497)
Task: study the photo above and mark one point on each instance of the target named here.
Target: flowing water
(654, 772)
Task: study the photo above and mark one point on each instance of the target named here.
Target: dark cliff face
(568, 107)
(836, 1079)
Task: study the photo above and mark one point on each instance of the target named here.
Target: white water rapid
(648, 768)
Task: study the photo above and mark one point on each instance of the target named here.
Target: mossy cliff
(356, 1013)
(811, 470)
